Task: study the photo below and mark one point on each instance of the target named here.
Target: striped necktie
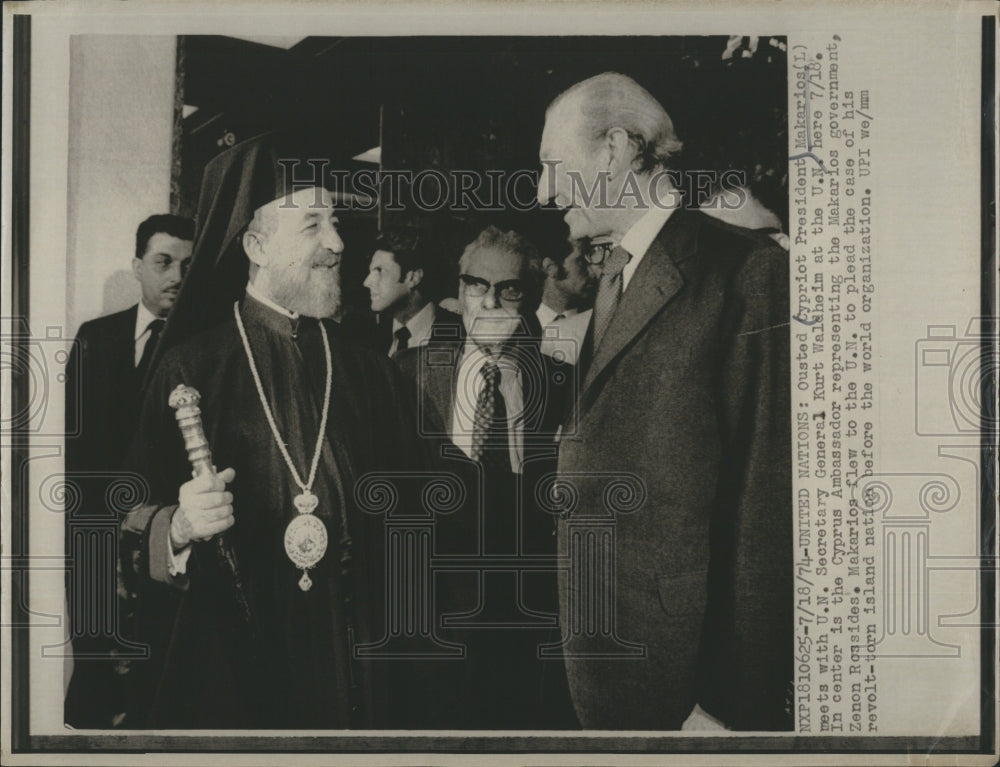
(490, 444)
(609, 292)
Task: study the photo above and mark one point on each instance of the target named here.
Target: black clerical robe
(290, 665)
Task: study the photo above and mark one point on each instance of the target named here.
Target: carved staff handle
(185, 399)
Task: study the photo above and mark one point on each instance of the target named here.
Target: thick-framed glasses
(508, 290)
(596, 252)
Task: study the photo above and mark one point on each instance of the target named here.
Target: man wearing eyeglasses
(685, 390)
(501, 402)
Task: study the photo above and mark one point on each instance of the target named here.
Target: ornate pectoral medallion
(305, 538)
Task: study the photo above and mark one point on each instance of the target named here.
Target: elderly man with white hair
(686, 393)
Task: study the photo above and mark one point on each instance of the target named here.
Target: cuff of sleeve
(177, 562)
(161, 559)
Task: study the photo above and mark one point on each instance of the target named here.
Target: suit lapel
(440, 379)
(542, 422)
(124, 344)
(383, 333)
(531, 364)
(656, 280)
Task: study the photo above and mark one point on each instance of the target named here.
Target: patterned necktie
(609, 292)
(154, 329)
(489, 426)
(402, 338)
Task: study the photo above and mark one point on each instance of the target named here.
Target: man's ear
(550, 267)
(621, 152)
(137, 268)
(253, 246)
(414, 277)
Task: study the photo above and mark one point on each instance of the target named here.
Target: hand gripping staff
(185, 399)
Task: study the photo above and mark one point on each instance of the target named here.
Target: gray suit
(689, 392)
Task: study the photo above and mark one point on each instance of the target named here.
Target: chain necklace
(305, 536)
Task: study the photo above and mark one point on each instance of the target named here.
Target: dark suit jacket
(689, 391)
(506, 684)
(447, 326)
(101, 400)
(550, 388)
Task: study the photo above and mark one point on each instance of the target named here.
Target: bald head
(613, 100)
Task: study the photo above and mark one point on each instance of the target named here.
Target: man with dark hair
(175, 227)
(403, 283)
(685, 390)
(500, 403)
(564, 311)
(111, 356)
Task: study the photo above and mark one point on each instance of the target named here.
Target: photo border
(23, 742)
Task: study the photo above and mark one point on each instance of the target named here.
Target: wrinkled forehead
(494, 265)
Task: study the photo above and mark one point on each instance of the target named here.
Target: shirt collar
(547, 315)
(142, 319)
(475, 356)
(640, 236)
(419, 324)
(257, 294)
(642, 233)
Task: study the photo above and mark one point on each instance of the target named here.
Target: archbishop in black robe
(290, 664)
(246, 646)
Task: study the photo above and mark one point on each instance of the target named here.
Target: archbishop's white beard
(310, 292)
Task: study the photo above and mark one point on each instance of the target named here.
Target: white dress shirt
(640, 236)
(419, 326)
(563, 332)
(469, 383)
(143, 318)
